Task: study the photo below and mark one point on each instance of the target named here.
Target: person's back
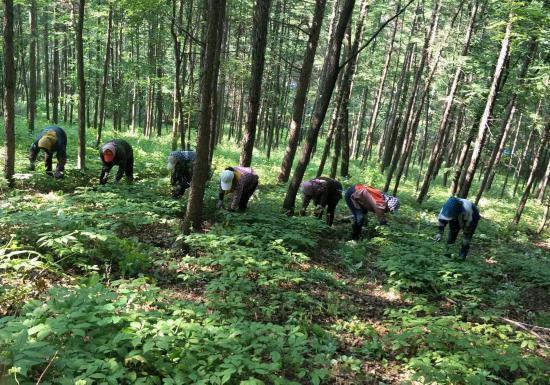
(52, 140)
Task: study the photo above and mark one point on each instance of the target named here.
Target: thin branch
(46, 369)
(351, 56)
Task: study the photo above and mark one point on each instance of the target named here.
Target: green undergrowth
(99, 287)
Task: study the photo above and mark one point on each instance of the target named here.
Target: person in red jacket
(361, 199)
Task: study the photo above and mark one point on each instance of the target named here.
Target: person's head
(226, 179)
(109, 152)
(48, 141)
(392, 203)
(307, 188)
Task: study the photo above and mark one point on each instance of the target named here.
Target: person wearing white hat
(51, 140)
(239, 181)
(119, 153)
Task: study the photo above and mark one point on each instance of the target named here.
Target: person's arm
(33, 154)
(305, 202)
(440, 229)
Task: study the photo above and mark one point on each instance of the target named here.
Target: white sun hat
(226, 179)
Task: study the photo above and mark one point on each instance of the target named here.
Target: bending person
(362, 199)
(119, 153)
(325, 192)
(239, 181)
(52, 140)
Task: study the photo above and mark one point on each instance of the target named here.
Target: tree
(9, 92)
(326, 86)
(301, 91)
(31, 104)
(81, 160)
(259, 37)
(105, 78)
(484, 121)
(193, 216)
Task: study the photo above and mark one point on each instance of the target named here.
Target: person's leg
(468, 234)
(247, 194)
(454, 228)
(331, 207)
(48, 156)
(130, 168)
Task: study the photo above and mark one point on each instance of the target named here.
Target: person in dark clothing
(458, 214)
(242, 182)
(119, 153)
(180, 164)
(325, 192)
(51, 139)
(361, 199)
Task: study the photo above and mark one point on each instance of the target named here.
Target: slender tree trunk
(484, 122)
(193, 216)
(105, 78)
(436, 153)
(538, 158)
(81, 159)
(9, 92)
(259, 36)
(330, 71)
(31, 103)
(55, 79)
(47, 65)
(512, 152)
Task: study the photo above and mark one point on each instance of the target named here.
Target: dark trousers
(247, 193)
(359, 215)
(454, 229)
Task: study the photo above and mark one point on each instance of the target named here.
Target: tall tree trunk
(378, 97)
(506, 120)
(177, 21)
(9, 92)
(105, 78)
(326, 86)
(47, 65)
(55, 77)
(301, 91)
(484, 121)
(259, 36)
(512, 152)
(193, 216)
(81, 159)
(436, 153)
(31, 103)
(534, 168)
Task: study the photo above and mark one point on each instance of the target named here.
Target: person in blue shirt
(458, 214)
(51, 139)
(180, 164)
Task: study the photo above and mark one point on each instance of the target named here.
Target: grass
(99, 287)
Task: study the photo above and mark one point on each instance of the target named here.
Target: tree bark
(484, 121)
(9, 92)
(55, 77)
(81, 158)
(31, 103)
(105, 78)
(193, 216)
(330, 71)
(259, 36)
(436, 152)
(538, 158)
(47, 65)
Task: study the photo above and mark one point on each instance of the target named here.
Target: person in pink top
(239, 181)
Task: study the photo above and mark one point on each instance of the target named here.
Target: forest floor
(99, 287)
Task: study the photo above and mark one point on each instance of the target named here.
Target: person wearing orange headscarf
(361, 199)
(119, 153)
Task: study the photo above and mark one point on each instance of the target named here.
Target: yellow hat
(48, 140)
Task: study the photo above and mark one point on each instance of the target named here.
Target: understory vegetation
(99, 287)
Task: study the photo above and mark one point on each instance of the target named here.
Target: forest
(283, 176)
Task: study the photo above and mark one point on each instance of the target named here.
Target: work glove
(302, 212)
(49, 173)
(58, 175)
(437, 237)
(103, 181)
(219, 205)
(383, 222)
(31, 166)
(318, 210)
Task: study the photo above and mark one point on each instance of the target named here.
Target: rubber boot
(355, 232)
